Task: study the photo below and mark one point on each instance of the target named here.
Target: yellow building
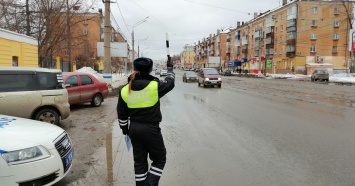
(18, 50)
(188, 57)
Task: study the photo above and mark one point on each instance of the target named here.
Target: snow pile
(342, 77)
(91, 71)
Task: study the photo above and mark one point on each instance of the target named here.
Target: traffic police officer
(139, 115)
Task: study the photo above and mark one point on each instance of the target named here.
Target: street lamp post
(136, 24)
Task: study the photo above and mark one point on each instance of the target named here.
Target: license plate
(68, 158)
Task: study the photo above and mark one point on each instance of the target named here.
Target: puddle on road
(195, 98)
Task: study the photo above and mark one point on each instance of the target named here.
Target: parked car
(226, 72)
(189, 76)
(33, 93)
(84, 87)
(163, 72)
(33, 152)
(320, 75)
(209, 77)
(157, 72)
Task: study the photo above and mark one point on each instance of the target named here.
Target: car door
(73, 89)
(87, 88)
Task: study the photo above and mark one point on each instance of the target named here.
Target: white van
(34, 93)
(33, 152)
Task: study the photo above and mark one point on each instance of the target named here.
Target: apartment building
(79, 45)
(211, 51)
(297, 37)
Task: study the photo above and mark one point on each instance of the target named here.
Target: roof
(33, 69)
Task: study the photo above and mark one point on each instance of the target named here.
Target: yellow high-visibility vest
(144, 98)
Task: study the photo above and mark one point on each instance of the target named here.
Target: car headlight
(219, 79)
(26, 155)
(207, 79)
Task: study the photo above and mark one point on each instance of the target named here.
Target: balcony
(269, 41)
(269, 30)
(244, 51)
(245, 47)
(228, 51)
(237, 36)
(290, 50)
(236, 51)
(269, 51)
(291, 23)
(291, 29)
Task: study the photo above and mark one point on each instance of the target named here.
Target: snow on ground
(341, 77)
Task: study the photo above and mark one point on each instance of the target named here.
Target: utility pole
(107, 38)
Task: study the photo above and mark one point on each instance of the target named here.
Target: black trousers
(147, 140)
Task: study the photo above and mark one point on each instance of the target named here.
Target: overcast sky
(185, 21)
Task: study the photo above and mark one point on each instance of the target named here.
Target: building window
(281, 28)
(85, 31)
(275, 29)
(314, 10)
(313, 36)
(313, 49)
(314, 23)
(65, 43)
(335, 49)
(280, 39)
(86, 21)
(335, 36)
(280, 51)
(336, 24)
(66, 53)
(275, 40)
(336, 11)
(14, 61)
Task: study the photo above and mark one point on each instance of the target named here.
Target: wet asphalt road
(253, 132)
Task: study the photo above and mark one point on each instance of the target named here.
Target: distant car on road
(163, 72)
(189, 76)
(84, 87)
(320, 75)
(226, 72)
(33, 152)
(209, 77)
(157, 72)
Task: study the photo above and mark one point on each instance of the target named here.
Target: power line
(122, 16)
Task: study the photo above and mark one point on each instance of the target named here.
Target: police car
(33, 152)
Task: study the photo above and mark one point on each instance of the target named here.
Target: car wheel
(312, 79)
(96, 100)
(48, 115)
(204, 85)
(219, 86)
(198, 83)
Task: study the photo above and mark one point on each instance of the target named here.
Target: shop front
(235, 66)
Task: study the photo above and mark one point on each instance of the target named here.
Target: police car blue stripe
(2, 151)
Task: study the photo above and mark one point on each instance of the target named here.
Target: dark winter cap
(143, 65)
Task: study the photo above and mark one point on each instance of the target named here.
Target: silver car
(322, 75)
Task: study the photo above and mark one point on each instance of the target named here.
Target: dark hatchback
(189, 76)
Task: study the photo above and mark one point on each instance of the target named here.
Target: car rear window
(49, 81)
(210, 72)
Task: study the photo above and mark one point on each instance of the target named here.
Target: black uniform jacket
(149, 115)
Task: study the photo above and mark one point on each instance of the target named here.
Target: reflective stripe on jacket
(144, 98)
